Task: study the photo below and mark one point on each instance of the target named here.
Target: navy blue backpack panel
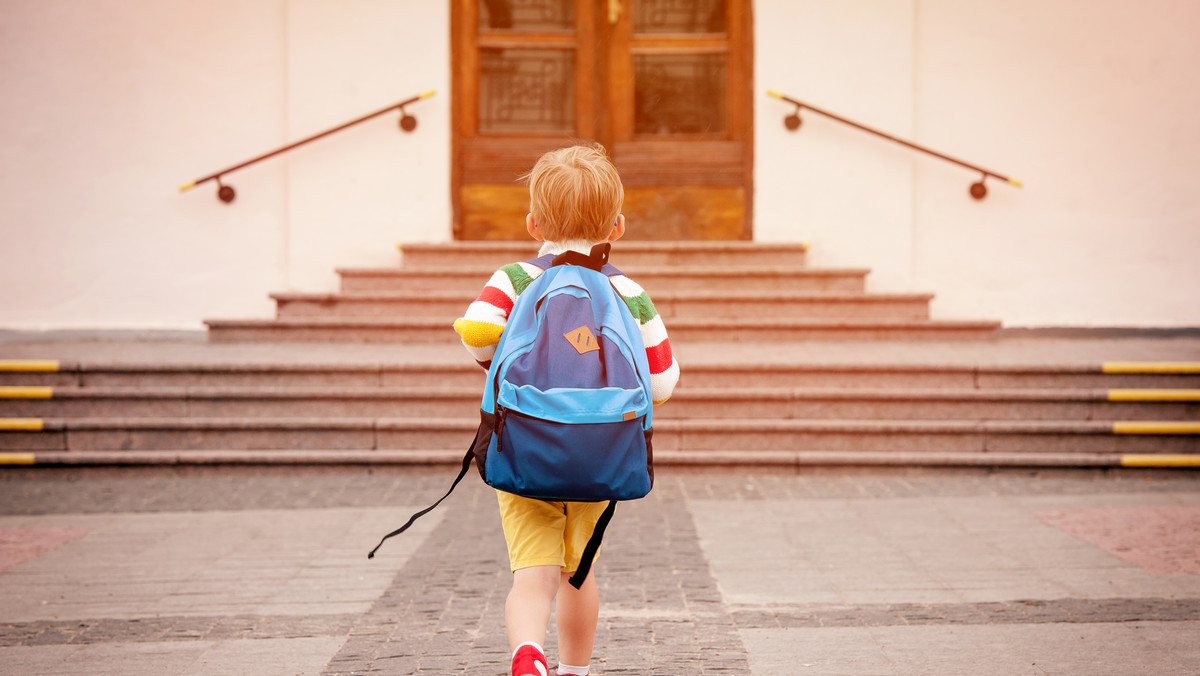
(582, 463)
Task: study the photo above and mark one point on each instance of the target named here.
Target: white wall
(352, 197)
(842, 191)
(110, 105)
(1095, 107)
(1091, 103)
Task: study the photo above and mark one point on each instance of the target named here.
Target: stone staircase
(712, 292)
(768, 408)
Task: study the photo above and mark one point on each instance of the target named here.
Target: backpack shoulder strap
(466, 466)
(575, 258)
(544, 262)
(593, 545)
(596, 260)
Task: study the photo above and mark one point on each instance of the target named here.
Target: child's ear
(618, 230)
(531, 227)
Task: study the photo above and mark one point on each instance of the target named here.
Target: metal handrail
(226, 193)
(978, 189)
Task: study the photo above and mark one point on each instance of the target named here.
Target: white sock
(539, 649)
(568, 670)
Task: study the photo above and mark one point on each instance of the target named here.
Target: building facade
(110, 105)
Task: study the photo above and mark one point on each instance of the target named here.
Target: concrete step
(766, 280)
(671, 305)
(938, 404)
(741, 458)
(367, 434)
(237, 402)
(688, 403)
(423, 330)
(625, 253)
(461, 373)
(1124, 375)
(929, 436)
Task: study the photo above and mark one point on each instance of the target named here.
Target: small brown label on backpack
(630, 415)
(582, 339)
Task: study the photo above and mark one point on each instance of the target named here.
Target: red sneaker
(529, 661)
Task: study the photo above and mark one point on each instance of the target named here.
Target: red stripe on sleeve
(660, 357)
(494, 296)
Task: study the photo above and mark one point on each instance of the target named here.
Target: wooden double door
(664, 85)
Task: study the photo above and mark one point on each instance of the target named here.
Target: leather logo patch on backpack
(582, 339)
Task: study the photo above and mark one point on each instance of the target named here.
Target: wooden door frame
(593, 44)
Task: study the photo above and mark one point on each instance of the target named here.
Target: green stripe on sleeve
(517, 275)
(641, 307)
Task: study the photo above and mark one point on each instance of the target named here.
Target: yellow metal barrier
(1154, 395)
(21, 425)
(1156, 427)
(17, 459)
(1151, 367)
(29, 365)
(21, 392)
(1160, 461)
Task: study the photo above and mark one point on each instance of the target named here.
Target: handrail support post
(225, 193)
(408, 123)
(979, 188)
(793, 121)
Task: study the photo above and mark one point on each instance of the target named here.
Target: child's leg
(578, 613)
(527, 610)
(578, 609)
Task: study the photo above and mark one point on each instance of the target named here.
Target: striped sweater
(486, 317)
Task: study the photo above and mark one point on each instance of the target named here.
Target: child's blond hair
(575, 193)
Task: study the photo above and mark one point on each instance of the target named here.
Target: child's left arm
(480, 327)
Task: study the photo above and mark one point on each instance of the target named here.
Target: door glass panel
(678, 16)
(526, 91)
(679, 94)
(527, 15)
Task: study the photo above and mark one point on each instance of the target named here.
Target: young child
(575, 203)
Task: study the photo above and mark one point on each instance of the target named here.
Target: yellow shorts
(541, 533)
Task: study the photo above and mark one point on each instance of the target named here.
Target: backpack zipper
(500, 414)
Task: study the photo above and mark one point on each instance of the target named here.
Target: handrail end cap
(1019, 184)
(187, 186)
(772, 92)
(427, 94)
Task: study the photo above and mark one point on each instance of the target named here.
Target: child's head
(575, 194)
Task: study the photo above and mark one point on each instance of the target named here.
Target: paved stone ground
(902, 571)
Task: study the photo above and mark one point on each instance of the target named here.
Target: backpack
(567, 411)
